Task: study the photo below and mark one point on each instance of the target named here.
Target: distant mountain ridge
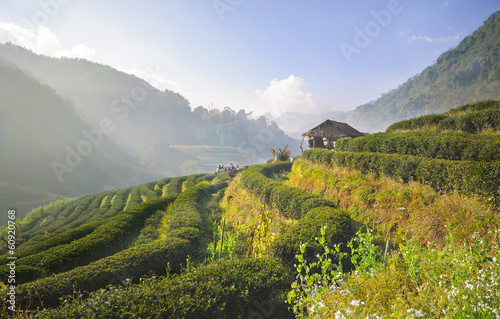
(466, 74)
(70, 127)
(39, 128)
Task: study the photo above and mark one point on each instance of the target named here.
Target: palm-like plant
(281, 155)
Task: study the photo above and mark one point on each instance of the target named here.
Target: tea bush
(227, 289)
(133, 263)
(447, 145)
(59, 239)
(184, 212)
(105, 240)
(292, 202)
(471, 118)
(340, 230)
(482, 178)
(175, 186)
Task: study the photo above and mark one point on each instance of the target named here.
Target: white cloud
(450, 38)
(287, 95)
(42, 41)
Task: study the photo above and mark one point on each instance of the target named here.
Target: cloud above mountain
(42, 41)
(287, 95)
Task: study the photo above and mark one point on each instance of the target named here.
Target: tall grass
(248, 214)
(397, 208)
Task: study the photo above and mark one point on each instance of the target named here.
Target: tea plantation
(401, 224)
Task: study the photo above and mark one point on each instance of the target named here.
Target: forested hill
(137, 133)
(141, 114)
(36, 130)
(466, 74)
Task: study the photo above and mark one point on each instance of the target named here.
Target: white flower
(355, 303)
(339, 315)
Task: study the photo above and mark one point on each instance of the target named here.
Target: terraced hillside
(371, 229)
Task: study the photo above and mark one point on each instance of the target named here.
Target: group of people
(230, 169)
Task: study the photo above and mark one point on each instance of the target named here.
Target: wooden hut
(328, 132)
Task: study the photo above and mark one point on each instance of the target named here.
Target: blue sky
(261, 56)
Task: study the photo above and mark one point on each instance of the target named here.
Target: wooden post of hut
(330, 131)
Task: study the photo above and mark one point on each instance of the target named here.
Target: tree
(281, 155)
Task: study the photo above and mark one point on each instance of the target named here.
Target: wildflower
(355, 303)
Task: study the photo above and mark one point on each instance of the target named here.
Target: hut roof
(333, 130)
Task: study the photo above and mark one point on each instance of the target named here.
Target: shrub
(448, 145)
(106, 239)
(137, 261)
(60, 239)
(175, 186)
(292, 202)
(471, 118)
(482, 178)
(227, 289)
(184, 237)
(184, 212)
(339, 231)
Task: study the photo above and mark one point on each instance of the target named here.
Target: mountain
(140, 113)
(47, 147)
(70, 127)
(466, 74)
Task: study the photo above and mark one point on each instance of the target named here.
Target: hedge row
(205, 178)
(482, 178)
(34, 234)
(340, 230)
(133, 263)
(105, 240)
(448, 145)
(246, 288)
(59, 239)
(292, 202)
(184, 238)
(129, 263)
(470, 118)
(175, 186)
(184, 212)
(159, 185)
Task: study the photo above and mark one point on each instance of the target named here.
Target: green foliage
(466, 74)
(60, 239)
(340, 230)
(446, 145)
(314, 277)
(151, 229)
(223, 243)
(292, 202)
(175, 186)
(107, 238)
(137, 261)
(184, 212)
(482, 178)
(204, 178)
(470, 118)
(226, 289)
(280, 155)
(458, 280)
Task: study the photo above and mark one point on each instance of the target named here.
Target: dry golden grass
(247, 213)
(395, 208)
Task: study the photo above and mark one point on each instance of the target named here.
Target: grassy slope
(254, 216)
